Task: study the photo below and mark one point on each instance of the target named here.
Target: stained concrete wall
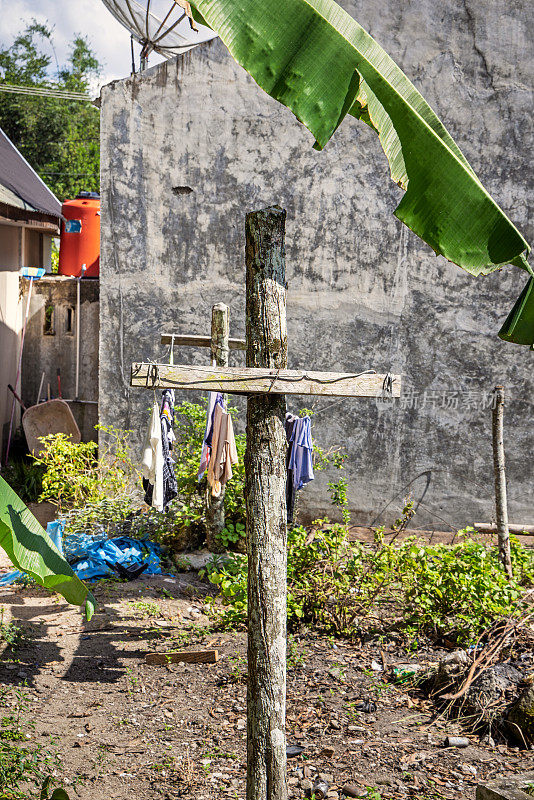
(20, 246)
(50, 344)
(190, 146)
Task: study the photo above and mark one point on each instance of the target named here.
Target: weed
(294, 658)
(21, 764)
(238, 671)
(145, 608)
(10, 632)
(132, 681)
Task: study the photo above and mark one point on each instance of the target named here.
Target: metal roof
(20, 185)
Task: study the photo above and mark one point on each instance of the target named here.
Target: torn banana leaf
(31, 550)
(314, 58)
(519, 325)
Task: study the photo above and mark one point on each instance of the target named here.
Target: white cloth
(152, 458)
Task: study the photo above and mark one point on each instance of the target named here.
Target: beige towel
(223, 451)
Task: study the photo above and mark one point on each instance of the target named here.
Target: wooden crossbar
(199, 341)
(249, 380)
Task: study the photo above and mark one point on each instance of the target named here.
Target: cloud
(107, 37)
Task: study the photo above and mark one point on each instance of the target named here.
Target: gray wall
(45, 352)
(363, 290)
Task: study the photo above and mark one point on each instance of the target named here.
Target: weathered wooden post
(265, 483)
(501, 503)
(220, 333)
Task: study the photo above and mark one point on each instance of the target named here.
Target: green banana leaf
(31, 550)
(314, 58)
(519, 325)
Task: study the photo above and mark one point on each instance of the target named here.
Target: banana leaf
(519, 325)
(30, 549)
(314, 58)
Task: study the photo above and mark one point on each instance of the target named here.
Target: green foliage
(10, 632)
(21, 765)
(343, 587)
(25, 478)
(30, 550)
(76, 474)
(232, 534)
(59, 138)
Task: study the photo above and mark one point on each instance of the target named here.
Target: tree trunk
(266, 509)
(501, 504)
(220, 331)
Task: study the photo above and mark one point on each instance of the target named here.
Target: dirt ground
(124, 729)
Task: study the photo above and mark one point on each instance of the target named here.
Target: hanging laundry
(152, 462)
(223, 450)
(159, 480)
(170, 484)
(299, 459)
(215, 398)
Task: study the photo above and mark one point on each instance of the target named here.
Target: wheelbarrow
(52, 416)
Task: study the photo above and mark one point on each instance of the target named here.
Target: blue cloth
(300, 451)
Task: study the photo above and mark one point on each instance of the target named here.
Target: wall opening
(69, 320)
(48, 327)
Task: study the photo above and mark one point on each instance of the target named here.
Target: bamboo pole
(501, 504)
(266, 509)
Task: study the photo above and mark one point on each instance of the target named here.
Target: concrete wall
(49, 346)
(190, 146)
(20, 246)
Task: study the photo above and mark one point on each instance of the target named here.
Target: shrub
(25, 478)
(347, 587)
(76, 474)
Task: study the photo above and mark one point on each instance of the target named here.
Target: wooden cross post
(266, 380)
(220, 344)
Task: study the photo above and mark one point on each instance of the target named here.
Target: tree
(58, 137)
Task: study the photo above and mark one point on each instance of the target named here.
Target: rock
(306, 784)
(521, 715)
(332, 796)
(293, 781)
(351, 790)
(511, 787)
(335, 724)
(325, 776)
(327, 752)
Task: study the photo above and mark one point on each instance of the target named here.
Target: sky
(109, 40)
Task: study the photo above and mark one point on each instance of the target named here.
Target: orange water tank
(80, 236)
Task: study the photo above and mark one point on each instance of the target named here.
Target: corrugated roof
(21, 185)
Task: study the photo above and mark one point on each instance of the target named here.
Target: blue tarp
(95, 559)
(93, 556)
